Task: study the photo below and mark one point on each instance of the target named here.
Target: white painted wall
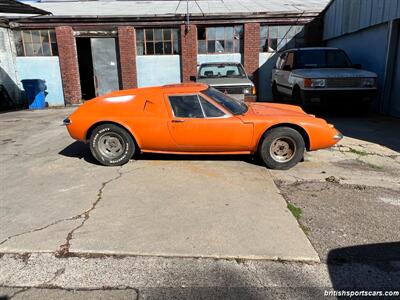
(154, 70)
(226, 57)
(46, 68)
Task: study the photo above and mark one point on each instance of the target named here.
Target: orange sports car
(196, 119)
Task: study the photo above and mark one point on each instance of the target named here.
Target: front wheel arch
(296, 127)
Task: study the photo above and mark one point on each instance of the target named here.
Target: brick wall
(251, 47)
(127, 56)
(188, 52)
(68, 64)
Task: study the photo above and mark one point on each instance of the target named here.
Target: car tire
(112, 145)
(275, 93)
(282, 148)
(296, 97)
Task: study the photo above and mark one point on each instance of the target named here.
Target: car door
(287, 67)
(198, 125)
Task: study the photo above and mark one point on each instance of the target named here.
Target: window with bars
(157, 41)
(279, 38)
(227, 39)
(35, 43)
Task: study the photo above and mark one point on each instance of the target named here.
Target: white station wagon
(322, 75)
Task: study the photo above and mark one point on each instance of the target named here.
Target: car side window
(210, 110)
(186, 106)
(289, 62)
(281, 61)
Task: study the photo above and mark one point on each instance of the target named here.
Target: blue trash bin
(35, 92)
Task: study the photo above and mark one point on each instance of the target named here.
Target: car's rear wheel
(111, 145)
(282, 148)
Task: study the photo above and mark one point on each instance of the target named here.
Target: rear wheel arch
(296, 127)
(95, 125)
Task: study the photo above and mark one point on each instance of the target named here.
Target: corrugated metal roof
(160, 8)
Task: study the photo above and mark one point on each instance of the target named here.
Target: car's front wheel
(275, 93)
(111, 145)
(282, 148)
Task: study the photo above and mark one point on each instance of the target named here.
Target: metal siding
(347, 16)
(366, 12)
(395, 92)
(354, 19)
(367, 47)
(8, 72)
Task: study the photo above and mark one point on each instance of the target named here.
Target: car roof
(229, 63)
(185, 87)
(310, 48)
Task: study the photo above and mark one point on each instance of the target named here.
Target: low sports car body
(196, 119)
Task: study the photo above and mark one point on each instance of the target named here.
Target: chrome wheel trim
(111, 145)
(283, 149)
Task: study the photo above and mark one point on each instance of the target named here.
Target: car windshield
(234, 106)
(221, 70)
(332, 58)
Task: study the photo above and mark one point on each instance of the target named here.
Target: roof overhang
(14, 7)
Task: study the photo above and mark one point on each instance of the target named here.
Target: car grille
(344, 82)
(236, 89)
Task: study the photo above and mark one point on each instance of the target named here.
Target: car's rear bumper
(333, 97)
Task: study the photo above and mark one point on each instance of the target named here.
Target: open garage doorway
(98, 66)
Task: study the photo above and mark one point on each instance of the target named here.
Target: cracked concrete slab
(55, 198)
(194, 208)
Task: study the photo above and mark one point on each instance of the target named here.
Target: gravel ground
(342, 215)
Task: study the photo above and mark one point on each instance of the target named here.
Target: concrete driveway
(55, 198)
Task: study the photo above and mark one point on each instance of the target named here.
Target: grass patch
(376, 167)
(305, 229)
(296, 211)
(358, 152)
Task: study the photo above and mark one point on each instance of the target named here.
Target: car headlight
(319, 83)
(247, 90)
(368, 82)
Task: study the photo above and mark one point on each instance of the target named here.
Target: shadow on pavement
(81, 150)
(357, 267)
(376, 129)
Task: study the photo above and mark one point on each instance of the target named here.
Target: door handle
(178, 121)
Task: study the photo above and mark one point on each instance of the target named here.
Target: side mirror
(287, 68)
(357, 66)
(251, 77)
(193, 78)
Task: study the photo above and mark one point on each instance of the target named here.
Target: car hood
(333, 73)
(267, 109)
(225, 81)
